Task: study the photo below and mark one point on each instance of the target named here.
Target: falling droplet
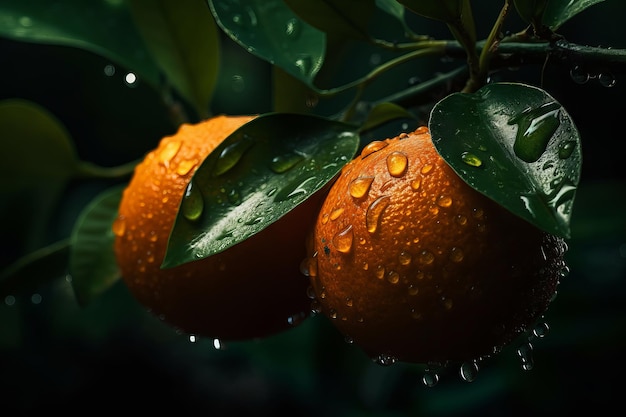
(385, 359)
(397, 163)
(535, 129)
(231, 155)
(375, 211)
(606, 79)
(469, 371)
(525, 353)
(372, 147)
(471, 159)
(168, 152)
(343, 240)
(566, 149)
(193, 203)
(579, 75)
(541, 330)
(430, 378)
(359, 187)
(283, 163)
(119, 226)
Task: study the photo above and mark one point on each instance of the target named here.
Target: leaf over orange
(251, 290)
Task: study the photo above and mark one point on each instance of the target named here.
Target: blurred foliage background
(112, 355)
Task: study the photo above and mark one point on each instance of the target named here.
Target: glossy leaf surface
(99, 26)
(273, 32)
(183, 39)
(559, 12)
(517, 145)
(259, 173)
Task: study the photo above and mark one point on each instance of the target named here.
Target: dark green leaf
(39, 146)
(559, 12)
(515, 144)
(182, 37)
(530, 11)
(383, 113)
(92, 264)
(271, 31)
(37, 268)
(258, 174)
(99, 26)
(343, 18)
(397, 10)
(444, 10)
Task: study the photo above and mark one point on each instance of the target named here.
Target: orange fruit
(412, 264)
(251, 290)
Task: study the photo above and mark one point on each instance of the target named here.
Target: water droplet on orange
(456, 254)
(375, 211)
(404, 258)
(359, 187)
(393, 277)
(372, 147)
(426, 257)
(119, 226)
(168, 152)
(343, 240)
(397, 163)
(426, 169)
(185, 167)
(444, 201)
(415, 183)
(380, 271)
(334, 215)
(413, 290)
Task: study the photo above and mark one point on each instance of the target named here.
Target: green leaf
(396, 10)
(37, 268)
(258, 174)
(515, 144)
(271, 31)
(530, 11)
(383, 113)
(343, 18)
(92, 263)
(183, 39)
(446, 11)
(103, 27)
(37, 147)
(559, 12)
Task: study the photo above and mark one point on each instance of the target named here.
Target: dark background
(113, 356)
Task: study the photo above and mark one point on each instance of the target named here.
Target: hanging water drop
(579, 75)
(606, 79)
(525, 353)
(192, 205)
(430, 378)
(469, 371)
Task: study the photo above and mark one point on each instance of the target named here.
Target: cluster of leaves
(514, 132)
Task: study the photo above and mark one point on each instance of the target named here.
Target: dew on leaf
(193, 203)
(536, 126)
(231, 155)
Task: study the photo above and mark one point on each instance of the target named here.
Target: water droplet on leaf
(535, 129)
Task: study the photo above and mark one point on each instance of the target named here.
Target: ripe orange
(412, 264)
(253, 289)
